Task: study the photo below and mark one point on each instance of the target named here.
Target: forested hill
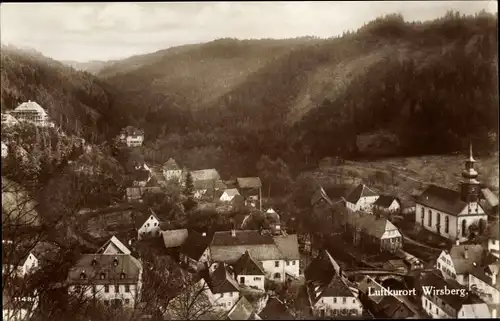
(76, 101)
(392, 87)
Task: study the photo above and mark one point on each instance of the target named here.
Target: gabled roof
(174, 238)
(242, 237)
(442, 199)
(320, 194)
(272, 216)
(275, 309)
(490, 197)
(386, 201)
(288, 245)
(231, 192)
(249, 182)
(116, 242)
(488, 273)
(30, 105)
(335, 288)
(101, 269)
(205, 174)
(361, 191)
(171, 165)
(143, 218)
(242, 310)
(370, 224)
(464, 257)
(246, 265)
(195, 245)
(221, 280)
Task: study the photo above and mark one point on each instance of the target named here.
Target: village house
(222, 290)
(249, 272)
(361, 198)
(451, 213)
(33, 113)
(114, 279)
(484, 281)
(382, 306)
(251, 189)
(112, 247)
(445, 306)
(17, 261)
(229, 194)
(320, 198)
(327, 290)
(131, 136)
(135, 194)
(457, 262)
(276, 309)
(173, 240)
(9, 120)
(374, 230)
(195, 252)
(5, 150)
(172, 171)
(242, 310)
(147, 225)
(387, 204)
(278, 255)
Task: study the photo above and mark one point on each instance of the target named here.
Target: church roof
(442, 199)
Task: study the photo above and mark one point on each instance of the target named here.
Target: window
(353, 300)
(122, 275)
(293, 262)
(464, 228)
(103, 275)
(276, 263)
(222, 295)
(277, 276)
(117, 289)
(229, 304)
(344, 300)
(127, 288)
(127, 301)
(83, 276)
(438, 224)
(334, 300)
(429, 223)
(230, 294)
(439, 265)
(106, 288)
(287, 263)
(437, 312)
(256, 278)
(147, 225)
(446, 224)
(242, 279)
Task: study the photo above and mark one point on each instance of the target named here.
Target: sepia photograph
(257, 160)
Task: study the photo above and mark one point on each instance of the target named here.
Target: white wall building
(229, 194)
(148, 227)
(450, 213)
(222, 290)
(361, 198)
(459, 261)
(172, 171)
(9, 120)
(132, 137)
(113, 246)
(484, 282)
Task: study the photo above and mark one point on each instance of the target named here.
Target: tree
(188, 192)
(275, 174)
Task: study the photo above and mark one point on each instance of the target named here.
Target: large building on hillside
(132, 137)
(451, 213)
(32, 112)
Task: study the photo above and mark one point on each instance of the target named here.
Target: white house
(387, 204)
(249, 272)
(132, 137)
(172, 171)
(147, 226)
(460, 260)
(5, 150)
(18, 261)
(484, 282)
(223, 291)
(278, 255)
(361, 199)
(114, 279)
(229, 194)
(461, 305)
(113, 246)
(32, 112)
(450, 213)
(327, 290)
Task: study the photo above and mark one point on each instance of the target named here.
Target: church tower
(469, 187)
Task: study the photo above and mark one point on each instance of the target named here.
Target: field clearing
(407, 176)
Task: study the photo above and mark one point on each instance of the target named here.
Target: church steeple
(469, 187)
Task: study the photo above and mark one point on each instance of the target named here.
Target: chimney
(233, 233)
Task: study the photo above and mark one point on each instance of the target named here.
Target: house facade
(249, 272)
(387, 204)
(172, 171)
(222, 290)
(229, 194)
(33, 113)
(147, 226)
(132, 137)
(18, 262)
(451, 213)
(484, 282)
(114, 279)
(251, 189)
(113, 246)
(361, 198)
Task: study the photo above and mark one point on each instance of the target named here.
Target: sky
(107, 31)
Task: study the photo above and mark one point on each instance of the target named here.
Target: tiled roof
(335, 288)
(205, 174)
(385, 201)
(208, 184)
(442, 199)
(104, 271)
(321, 269)
(171, 165)
(463, 264)
(338, 191)
(242, 310)
(30, 105)
(288, 245)
(221, 280)
(275, 309)
(488, 273)
(140, 175)
(132, 131)
(134, 192)
(361, 191)
(393, 308)
(490, 197)
(242, 237)
(117, 243)
(246, 265)
(195, 245)
(249, 182)
(174, 238)
(370, 224)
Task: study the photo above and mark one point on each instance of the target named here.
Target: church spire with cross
(469, 187)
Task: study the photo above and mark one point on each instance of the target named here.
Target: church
(450, 213)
